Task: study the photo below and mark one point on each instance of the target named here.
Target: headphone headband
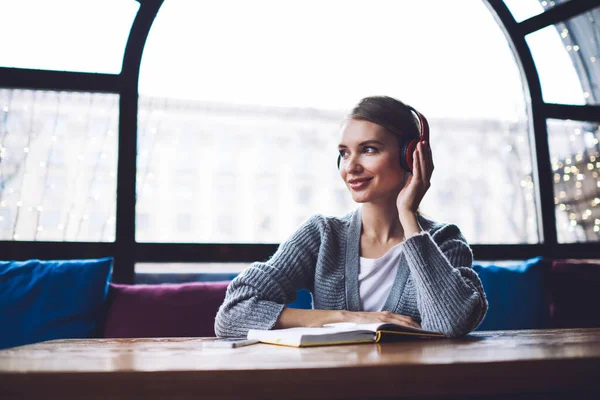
(423, 125)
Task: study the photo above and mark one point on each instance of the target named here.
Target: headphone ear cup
(406, 155)
(338, 161)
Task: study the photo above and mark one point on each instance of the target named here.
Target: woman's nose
(352, 164)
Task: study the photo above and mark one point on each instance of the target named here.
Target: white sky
(446, 58)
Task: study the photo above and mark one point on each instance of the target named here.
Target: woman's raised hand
(418, 182)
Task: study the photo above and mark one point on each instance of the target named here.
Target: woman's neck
(380, 223)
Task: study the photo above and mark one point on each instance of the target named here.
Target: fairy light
(580, 177)
(562, 207)
(578, 185)
(576, 48)
(566, 178)
(556, 178)
(564, 33)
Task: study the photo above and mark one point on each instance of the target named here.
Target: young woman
(383, 262)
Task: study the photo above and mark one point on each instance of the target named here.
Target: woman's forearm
(293, 318)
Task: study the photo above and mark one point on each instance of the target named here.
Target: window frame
(127, 252)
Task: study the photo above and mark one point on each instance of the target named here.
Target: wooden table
(536, 364)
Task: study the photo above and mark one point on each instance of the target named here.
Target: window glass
(567, 57)
(157, 273)
(575, 155)
(524, 9)
(252, 102)
(58, 161)
(66, 35)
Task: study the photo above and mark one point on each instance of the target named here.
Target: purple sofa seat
(574, 293)
(165, 310)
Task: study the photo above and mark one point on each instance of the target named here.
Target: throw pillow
(59, 299)
(516, 294)
(164, 310)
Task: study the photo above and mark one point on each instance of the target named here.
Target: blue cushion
(43, 300)
(303, 300)
(516, 294)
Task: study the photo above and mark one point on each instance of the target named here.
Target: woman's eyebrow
(367, 142)
(371, 142)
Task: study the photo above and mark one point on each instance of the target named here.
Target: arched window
(232, 91)
(207, 131)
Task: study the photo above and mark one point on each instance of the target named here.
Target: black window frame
(127, 252)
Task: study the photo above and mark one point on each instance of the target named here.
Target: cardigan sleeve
(450, 297)
(256, 297)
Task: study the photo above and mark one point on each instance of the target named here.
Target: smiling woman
(382, 263)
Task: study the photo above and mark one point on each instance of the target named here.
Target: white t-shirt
(376, 277)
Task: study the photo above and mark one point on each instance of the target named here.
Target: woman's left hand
(418, 182)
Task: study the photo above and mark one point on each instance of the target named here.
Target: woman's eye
(343, 153)
(370, 149)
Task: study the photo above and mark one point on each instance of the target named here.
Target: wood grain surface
(501, 364)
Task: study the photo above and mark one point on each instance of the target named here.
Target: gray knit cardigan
(435, 284)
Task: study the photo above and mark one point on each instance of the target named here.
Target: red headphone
(407, 150)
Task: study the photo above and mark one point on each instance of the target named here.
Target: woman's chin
(359, 198)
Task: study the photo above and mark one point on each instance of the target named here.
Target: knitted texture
(435, 284)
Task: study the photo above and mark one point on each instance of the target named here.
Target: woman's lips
(359, 184)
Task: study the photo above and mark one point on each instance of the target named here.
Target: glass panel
(575, 155)
(58, 161)
(240, 145)
(524, 9)
(156, 273)
(567, 57)
(66, 35)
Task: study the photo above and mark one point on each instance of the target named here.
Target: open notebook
(340, 333)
